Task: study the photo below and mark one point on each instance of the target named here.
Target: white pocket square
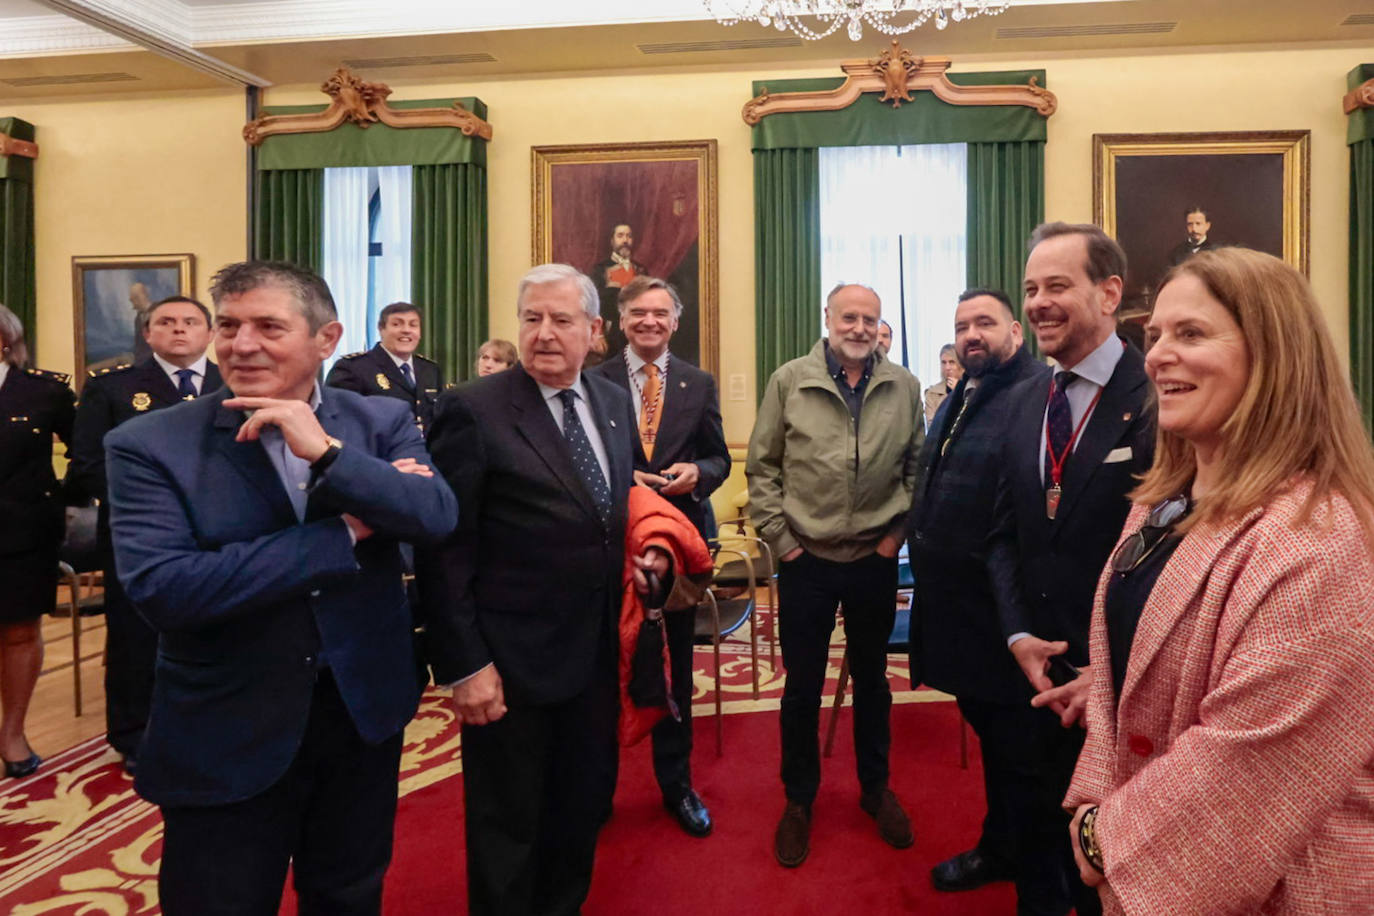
(1117, 455)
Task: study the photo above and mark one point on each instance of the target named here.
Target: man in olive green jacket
(832, 466)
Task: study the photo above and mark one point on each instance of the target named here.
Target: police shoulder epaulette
(354, 355)
(423, 357)
(118, 367)
(59, 377)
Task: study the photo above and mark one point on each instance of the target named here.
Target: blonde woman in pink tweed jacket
(1229, 764)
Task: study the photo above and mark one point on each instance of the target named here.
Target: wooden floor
(52, 723)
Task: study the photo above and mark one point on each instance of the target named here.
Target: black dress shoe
(968, 871)
(18, 769)
(691, 814)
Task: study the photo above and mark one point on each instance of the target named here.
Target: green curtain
(1006, 200)
(288, 221)
(1362, 275)
(449, 263)
(1360, 136)
(351, 145)
(17, 289)
(787, 256)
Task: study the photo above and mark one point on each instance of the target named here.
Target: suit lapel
(213, 381)
(536, 425)
(678, 394)
(383, 361)
(1109, 421)
(251, 461)
(158, 385)
(1175, 594)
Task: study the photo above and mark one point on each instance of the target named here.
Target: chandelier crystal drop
(892, 17)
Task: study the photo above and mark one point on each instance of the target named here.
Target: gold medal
(141, 401)
(1052, 500)
(383, 382)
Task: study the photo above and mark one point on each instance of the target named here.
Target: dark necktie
(584, 457)
(186, 388)
(1058, 425)
(405, 374)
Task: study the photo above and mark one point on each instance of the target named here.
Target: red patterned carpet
(76, 841)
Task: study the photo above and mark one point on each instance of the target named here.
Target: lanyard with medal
(1057, 464)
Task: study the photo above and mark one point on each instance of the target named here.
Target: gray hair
(306, 288)
(549, 274)
(845, 285)
(641, 285)
(16, 352)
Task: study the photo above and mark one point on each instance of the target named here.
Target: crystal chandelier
(894, 17)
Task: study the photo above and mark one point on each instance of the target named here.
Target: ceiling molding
(40, 36)
(161, 26)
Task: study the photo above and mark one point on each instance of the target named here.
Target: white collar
(198, 367)
(397, 360)
(549, 392)
(636, 362)
(1098, 366)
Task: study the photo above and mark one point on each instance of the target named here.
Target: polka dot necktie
(584, 458)
(186, 389)
(1058, 423)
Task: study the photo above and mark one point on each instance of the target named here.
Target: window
(894, 218)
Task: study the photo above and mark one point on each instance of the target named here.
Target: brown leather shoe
(893, 824)
(792, 840)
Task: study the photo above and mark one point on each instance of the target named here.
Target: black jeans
(809, 591)
(331, 814)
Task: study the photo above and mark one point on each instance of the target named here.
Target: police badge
(141, 401)
(383, 382)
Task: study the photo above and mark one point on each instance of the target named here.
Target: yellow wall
(186, 149)
(136, 175)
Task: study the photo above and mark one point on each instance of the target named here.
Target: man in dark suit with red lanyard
(178, 333)
(687, 459)
(522, 602)
(1070, 460)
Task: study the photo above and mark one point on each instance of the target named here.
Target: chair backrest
(80, 545)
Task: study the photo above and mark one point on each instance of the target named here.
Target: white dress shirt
(584, 413)
(197, 367)
(639, 378)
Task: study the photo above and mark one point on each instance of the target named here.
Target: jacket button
(314, 593)
(1141, 745)
(310, 661)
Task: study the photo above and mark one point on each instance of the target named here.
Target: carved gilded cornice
(1362, 96)
(12, 147)
(897, 74)
(364, 104)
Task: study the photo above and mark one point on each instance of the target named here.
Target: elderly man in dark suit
(687, 459)
(1072, 454)
(392, 368)
(523, 601)
(957, 644)
(257, 530)
(178, 332)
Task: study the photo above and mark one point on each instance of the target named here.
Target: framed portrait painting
(615, 211)
(111, 296)
(1165, 197)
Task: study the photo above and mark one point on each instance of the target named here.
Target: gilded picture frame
(1253, 186)
(663, 195)
(110, 298)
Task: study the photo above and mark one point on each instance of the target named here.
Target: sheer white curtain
(391, 270)
(893, 218)
(346, 193)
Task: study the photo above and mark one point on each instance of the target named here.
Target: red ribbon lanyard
(1057, 464)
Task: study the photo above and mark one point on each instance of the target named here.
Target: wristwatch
(331, 453)
(1087, 839)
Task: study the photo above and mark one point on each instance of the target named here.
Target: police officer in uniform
(177, 332)
(392, 368)
(34, 405)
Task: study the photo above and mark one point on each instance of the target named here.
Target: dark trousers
(537, 784)
(672, 739)
(130, 656)
(1028, 760)
(809, 591)
(331, 816)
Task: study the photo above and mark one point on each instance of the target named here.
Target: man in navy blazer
(1071, 457)
(257, 530)
(522, 602)
(686, 460)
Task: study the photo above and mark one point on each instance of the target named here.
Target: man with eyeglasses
(1069, 461)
